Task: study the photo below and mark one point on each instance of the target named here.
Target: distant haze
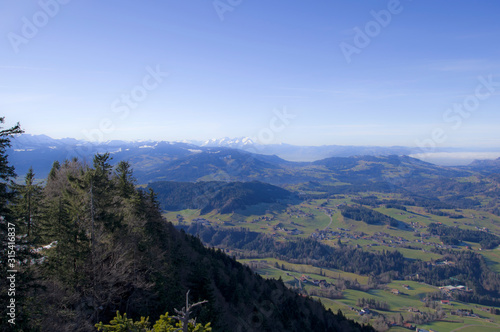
(455, 158)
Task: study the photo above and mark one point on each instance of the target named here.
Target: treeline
(371, 217)
(455, 236)
(432, 205)
(428, 203)
(396, 206)
(445, 214)
(374, 202)
(372, 304)
(222, 196)
(371, 200)
(240, 238)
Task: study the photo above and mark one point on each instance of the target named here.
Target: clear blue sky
(228, 77)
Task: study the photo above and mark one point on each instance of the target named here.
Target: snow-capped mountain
(238, 143)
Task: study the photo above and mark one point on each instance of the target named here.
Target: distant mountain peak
(229, 142)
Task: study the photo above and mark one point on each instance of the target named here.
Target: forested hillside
(89, 243)
(222, 196)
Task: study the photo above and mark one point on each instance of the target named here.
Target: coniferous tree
(26, 206)
(125, 180)
(7, 172)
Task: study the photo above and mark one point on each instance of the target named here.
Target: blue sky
(415, 76)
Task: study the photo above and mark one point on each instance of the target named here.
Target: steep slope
(243, 301)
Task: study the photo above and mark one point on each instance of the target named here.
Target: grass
(335, 306)
(492, 259)
(397, 303)
(478, 328)
(329, 274)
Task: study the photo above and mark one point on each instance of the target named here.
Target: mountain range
(225, 159)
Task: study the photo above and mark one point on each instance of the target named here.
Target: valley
(322, 220)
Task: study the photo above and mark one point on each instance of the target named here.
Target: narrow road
(331, 220)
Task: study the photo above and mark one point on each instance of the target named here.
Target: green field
(492, 258)
(299, 269)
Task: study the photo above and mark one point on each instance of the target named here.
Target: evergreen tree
(125, 182)
(56, 166)
(27, 206)
(7, 172)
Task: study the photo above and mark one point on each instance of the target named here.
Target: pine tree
(125, 182)
(65, 222)
(56, 166)
(27, 206)
(7, 172)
